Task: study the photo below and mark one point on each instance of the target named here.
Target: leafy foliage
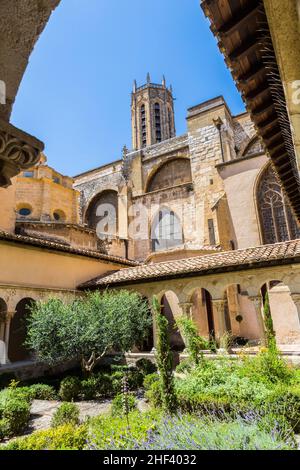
(195, 343)
(66, 437)
(88, 327)
(269, 327)
(67, 413)
(164, 360)
(118, 404)
(70, 388)
(189, 432)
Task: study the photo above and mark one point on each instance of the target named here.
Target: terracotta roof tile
(51, 245)
(277, 253)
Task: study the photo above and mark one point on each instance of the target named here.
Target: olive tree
(88, 327)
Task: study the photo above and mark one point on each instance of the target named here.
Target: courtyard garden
(240, 403)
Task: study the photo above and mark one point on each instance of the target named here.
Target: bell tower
(152, 114)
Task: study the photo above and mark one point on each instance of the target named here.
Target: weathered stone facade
(183, 175)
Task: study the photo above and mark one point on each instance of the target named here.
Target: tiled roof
(276, 254)
(50, 245)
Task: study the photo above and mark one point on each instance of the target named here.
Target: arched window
(277, 221)
(102, 213)
(143, 126)
(166, 231)
(157, 122)
(59, 216)
(171, 173)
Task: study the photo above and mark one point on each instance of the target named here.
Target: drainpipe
(219, 123)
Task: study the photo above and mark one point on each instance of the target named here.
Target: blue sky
(75, 95)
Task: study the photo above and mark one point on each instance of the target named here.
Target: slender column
(154, 333)
(296, 300)
(5, 358)
(2, 330)
(257, 302)
(219, 314)
(186, 308)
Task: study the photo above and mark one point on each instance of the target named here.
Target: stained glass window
(277, 221)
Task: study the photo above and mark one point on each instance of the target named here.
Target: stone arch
(59, 215)
(202, 312)
(173, 172)
(251, 147)
(276, 220)
(17, 351)
(108, 199)
(166, 230)
(170, 308)
(283, 309)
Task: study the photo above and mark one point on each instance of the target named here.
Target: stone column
(296, 300)
(5, 359)
(219, 315)
(257, 302)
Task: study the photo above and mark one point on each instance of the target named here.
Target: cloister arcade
(231, 302)
(225, 301)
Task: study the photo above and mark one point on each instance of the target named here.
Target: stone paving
(42, 411)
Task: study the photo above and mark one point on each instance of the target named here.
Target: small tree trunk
(88, 365)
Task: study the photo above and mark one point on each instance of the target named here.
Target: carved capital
(296, 299)
(18, 151)
(186, 308)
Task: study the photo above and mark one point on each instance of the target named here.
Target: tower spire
(148, 78)
(164, 81)
(134, 86)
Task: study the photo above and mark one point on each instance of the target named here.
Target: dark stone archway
(17, 351)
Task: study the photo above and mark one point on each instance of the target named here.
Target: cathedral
(165, 217)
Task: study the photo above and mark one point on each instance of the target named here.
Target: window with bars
(157, 122)
(277, 221)
(143, 126)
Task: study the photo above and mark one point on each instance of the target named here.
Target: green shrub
(62, 438)
(117, 408)
(153, 392)
(105, 386)
(135, 379)
(16, 415)
(67, 413)
(284, 402)
(4, 429)
(268, 366)
(89, 388)
(184, 366)
(42, 392)
(70, 388)
(112, 432)
(146, 366)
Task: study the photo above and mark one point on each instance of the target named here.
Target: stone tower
(152, 114)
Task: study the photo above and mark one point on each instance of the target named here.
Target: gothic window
(166, 231)
(157, 122)
(143, 126)
(277, 221)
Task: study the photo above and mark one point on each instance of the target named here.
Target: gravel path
(42, 411)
